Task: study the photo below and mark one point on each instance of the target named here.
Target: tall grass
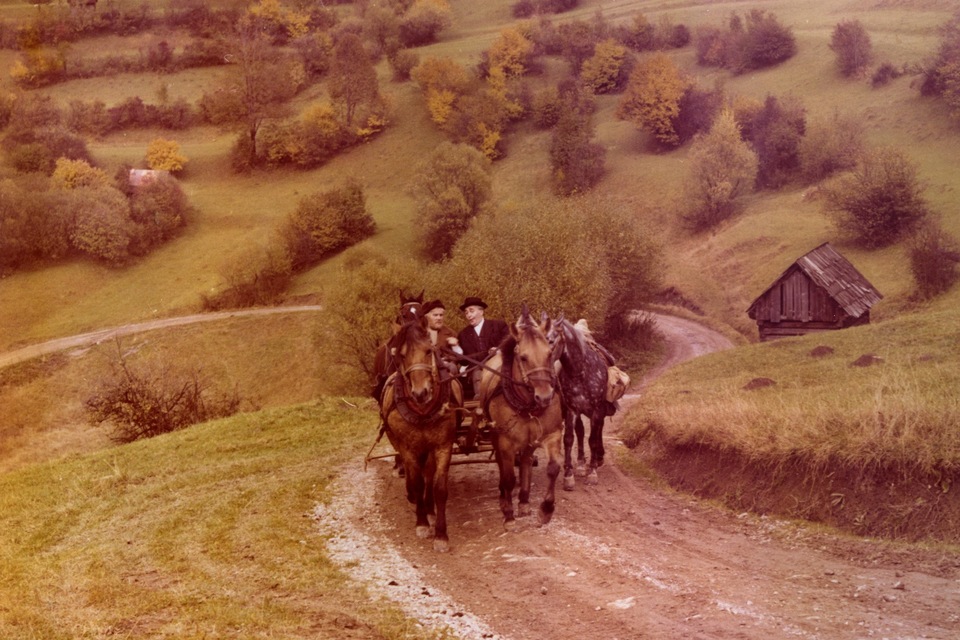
(200, 533)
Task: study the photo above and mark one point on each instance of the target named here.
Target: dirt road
(630, 559)
(96, 337)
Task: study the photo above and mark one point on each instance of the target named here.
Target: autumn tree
(605, 71)
(723, 167)
(880, 201)
(353, 79)
(74, 174)
(261, 83)
(851, 44)
(652, 98)
(164, 155)
(558, 257)
(442, 81)
(451, 187)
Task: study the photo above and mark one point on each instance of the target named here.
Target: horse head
(410, 307)
(533, 356)
(415, 362)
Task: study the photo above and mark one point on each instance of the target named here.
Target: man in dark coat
(479, 339)
(482, 335)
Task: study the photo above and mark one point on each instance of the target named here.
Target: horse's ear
(419, 298)
(525, 314)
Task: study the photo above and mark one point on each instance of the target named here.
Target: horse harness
(410, 410)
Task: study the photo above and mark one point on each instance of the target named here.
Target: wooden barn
(821, 291)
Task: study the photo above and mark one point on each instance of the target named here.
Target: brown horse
(519, 395)
(410, 307)
(419, 413)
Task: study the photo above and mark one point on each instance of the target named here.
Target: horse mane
(586, 342)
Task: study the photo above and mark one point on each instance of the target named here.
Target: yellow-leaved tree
(73, 174)
(164, 155)
(652, 98)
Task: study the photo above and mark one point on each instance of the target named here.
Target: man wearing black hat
(479, 339)
(481, 336)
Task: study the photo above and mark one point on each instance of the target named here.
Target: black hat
(430, 306)
(473, 302)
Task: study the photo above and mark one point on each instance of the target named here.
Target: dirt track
(627, 559)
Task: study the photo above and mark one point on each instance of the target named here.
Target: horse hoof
(509, 526)
(523, 510)
(592, 477)
(441, 546)
(582, 470)
(422, 531)
(569, 482)
(544, 517)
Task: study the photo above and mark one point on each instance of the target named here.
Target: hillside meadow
(97, 540)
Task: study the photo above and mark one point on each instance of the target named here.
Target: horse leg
(569, 481)
(526, 475)
(442, 456)
(506, 454)
(429, 473)
(415, 494)
(581, 455)
(552, 446)
(596, 446)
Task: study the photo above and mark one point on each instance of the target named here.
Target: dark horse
(583, 383)
(410, 307)
(519, 395)
(418, 408)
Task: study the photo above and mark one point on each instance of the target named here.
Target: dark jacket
(491, 335)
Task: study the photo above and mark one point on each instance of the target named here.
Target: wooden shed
(821, 291)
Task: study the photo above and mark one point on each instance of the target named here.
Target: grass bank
(813, 420)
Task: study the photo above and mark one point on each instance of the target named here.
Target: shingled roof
(835, 275)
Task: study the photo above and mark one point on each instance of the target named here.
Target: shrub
(73, 174)
(260, 276)
(423, 22)
(576, 162)
(326, 222)
(102, 226)
(38, 150)
(698, 109)
(150, 401)
(776, 132)
(164, 155)
(766, 42)
(546, 107)
(402, 63)
(851, 44)
(880, 201)
(934, 256)
(160, 208)
(451, 187)
(722, 168)
(830, 146)
(607, 70)
(884, 74)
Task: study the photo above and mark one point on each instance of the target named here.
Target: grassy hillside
(721, 272)
(203, 533)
